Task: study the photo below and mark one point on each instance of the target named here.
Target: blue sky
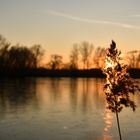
(57, 24)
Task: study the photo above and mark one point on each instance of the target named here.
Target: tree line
(17, 57)
(82, 56)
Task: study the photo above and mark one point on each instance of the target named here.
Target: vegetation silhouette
(134, 59)
(74, 57)
(119, 85)
(20, 60)
(55, 62)
(86, 51)
(99, 57)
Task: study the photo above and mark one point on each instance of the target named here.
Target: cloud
(92, 21)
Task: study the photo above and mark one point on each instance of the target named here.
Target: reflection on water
(108, 118)
(61, 108)
(13, 94)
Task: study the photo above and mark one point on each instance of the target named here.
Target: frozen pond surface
(61, 109)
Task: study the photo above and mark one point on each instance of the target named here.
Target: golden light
(108, 64)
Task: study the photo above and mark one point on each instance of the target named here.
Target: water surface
(61, 109)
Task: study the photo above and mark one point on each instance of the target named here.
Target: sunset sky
(58, 24)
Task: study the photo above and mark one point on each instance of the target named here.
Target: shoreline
(42, 72)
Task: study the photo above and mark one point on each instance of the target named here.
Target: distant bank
(96, 73)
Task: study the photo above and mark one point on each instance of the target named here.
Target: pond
(61, 109)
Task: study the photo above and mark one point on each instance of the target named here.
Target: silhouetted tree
(4, 46)
(66, 66)
(86, 51)
(37, 52)
(99, 56)
(119, 85)
(20, 57)
(138, 60)
(3, 42)
(74, 57)
(133, 59)
(55, 62)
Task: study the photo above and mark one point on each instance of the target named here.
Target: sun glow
(108, 64)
